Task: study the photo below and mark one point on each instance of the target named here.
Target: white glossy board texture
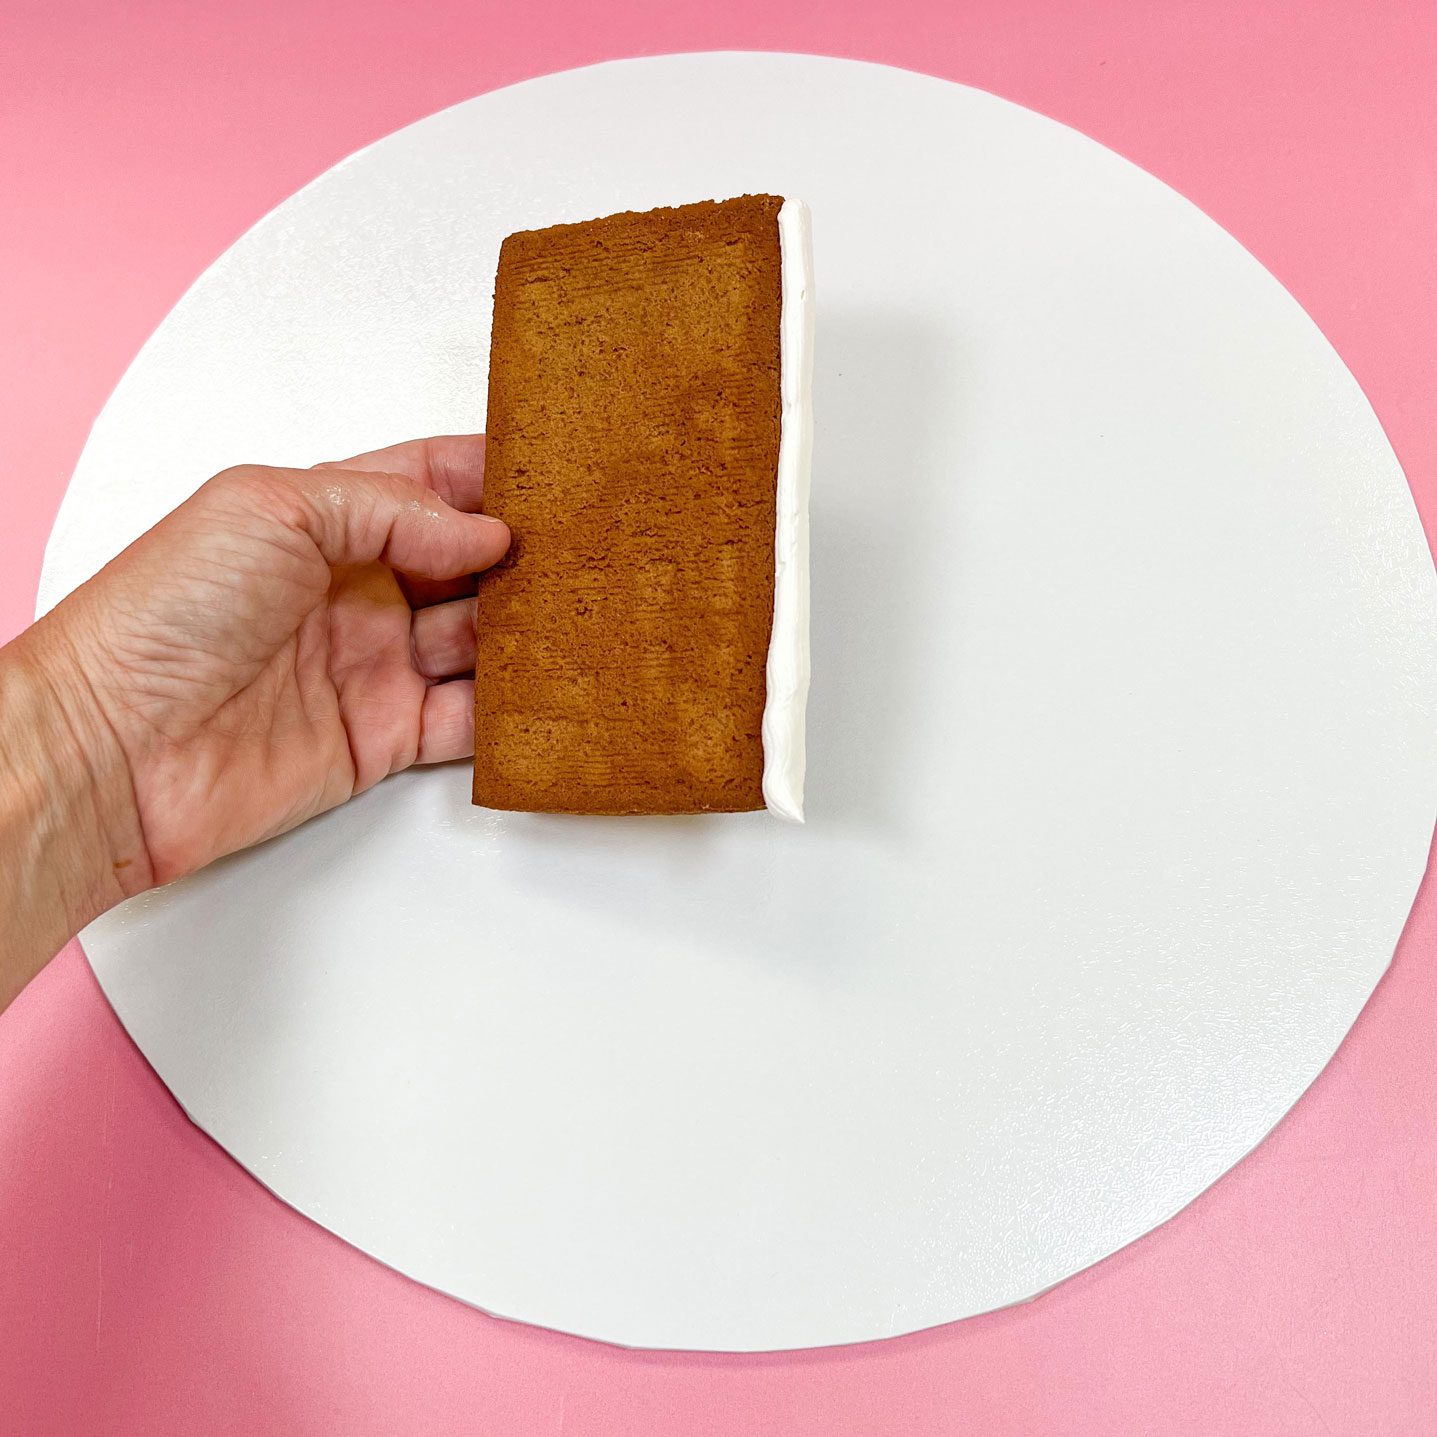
(1122, 745)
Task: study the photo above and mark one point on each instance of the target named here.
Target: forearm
(69, 845)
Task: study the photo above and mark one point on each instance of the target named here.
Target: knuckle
(256, 488)
(245, 483)
(405, 486)
(408, 493)
(241, 476)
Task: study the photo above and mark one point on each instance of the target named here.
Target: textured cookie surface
(633, 444)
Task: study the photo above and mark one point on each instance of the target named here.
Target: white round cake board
(1122, 742)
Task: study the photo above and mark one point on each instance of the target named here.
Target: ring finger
(441, 638)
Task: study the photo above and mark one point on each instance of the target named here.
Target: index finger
(450, 464)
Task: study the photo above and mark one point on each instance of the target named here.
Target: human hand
(255, 659)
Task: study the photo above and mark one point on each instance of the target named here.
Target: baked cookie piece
(643, 648)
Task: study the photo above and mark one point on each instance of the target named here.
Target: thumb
(358, 517)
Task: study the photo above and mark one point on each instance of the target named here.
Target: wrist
(69, 830)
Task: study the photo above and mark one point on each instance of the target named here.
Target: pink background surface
(148, 1285)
